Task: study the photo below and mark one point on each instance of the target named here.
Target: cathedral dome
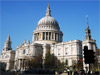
(47, 30)
(48, 22)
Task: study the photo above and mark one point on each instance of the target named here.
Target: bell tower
(88, 41)
(87, 32)
(7, 45)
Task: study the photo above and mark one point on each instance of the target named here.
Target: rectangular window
(66, 51)
(58, 51)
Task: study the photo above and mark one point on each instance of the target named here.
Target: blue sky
(19, 19)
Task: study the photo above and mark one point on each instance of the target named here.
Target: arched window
(66, 51)
(59, 51)
(24, 51)
(66, 62)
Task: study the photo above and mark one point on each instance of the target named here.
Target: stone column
(22, 64)
(44, 53)
(19, 63)
(42, 36)
(45, 35)
(57, 36)
(51, 36)
(7, 66)
(44, 50)
(48, 35)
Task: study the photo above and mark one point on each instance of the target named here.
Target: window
(24, 51)
(66, 51)
(66, 62)
(58, 51)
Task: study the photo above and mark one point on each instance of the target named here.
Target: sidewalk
(64, 74)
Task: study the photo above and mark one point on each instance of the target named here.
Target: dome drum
(47, 27)
(47, 35)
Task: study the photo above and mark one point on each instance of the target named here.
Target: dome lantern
(48, 11)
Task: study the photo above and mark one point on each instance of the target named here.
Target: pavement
(64, 74)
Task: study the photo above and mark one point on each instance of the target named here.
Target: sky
(19, 19)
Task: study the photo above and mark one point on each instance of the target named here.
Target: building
(47, 36)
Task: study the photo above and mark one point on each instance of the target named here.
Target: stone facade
(88, 41)
(8, 55)
(68, 51)
(47, 36)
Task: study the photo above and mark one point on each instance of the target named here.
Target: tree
(79, 65)
(94, 66)
(98, 51)
(35, 62)
(52, 63)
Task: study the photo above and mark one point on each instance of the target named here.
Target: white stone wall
(91, 46)
(8, 58)
(24, 51)
(71, 50)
